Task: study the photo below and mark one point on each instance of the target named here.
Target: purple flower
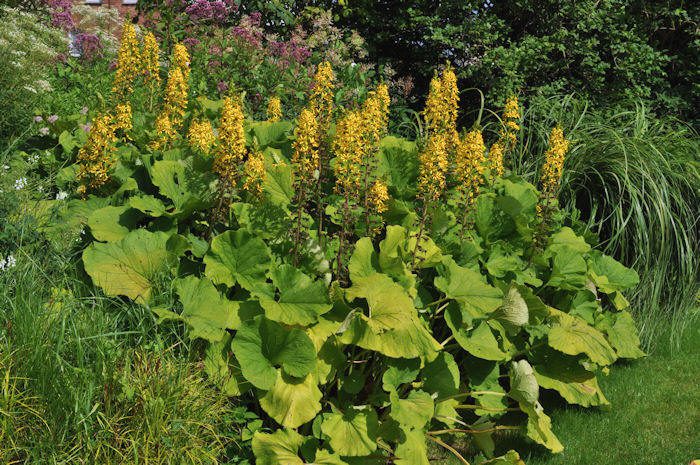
(52, 119)
(84, 111)
(90, 45)
(38, 119)
(222, 87)
(61, 14)
(86, 127)
(206, 10)
(190, 42)
(249, 30)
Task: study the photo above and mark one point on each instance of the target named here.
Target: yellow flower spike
(378, 197)
(322, 96)
(349, 146)
(495, 159)
(511, 116)
(434, 163)
(469, 165)
(150, 61)
(376, 116)
(230, 148)
(122, 117)
(442, 105)
(255, 174)
(201, 135)
(96, 157)
(306, 145)
(274, 109)
(554, 162)
(181, 60)
(175, 102)
(127, 63)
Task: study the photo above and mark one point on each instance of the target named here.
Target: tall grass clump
(634, 178)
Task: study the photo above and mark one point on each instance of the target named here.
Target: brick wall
(127, 11)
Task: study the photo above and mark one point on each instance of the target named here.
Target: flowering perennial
(441, 106)
(469, 166)
(378, 196)
(511, 116)
(150, 61)
(201, 135)
(305, 157)
(254, 174)
(322, 96)
(96, 157)
(122, 117)
(128, 66)
(181, 60)
(348, 147)
(274, 109)
(230, 148)
(554, 162)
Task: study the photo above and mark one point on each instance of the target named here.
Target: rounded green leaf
(238, 256)
(261, 345)
(415, 411)
(300, 299)
(352, 434)
(291, 401)
(207, 313)
(130, 266)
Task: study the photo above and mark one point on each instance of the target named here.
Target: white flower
(61, 195)
(32, 159)
(44, 131)
(20, 183)
(7, 263)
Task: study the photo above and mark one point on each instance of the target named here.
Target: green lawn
(654, 417)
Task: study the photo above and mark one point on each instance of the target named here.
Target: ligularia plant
(368, 295)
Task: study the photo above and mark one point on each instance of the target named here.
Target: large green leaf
(238, 256)
(400, 371)
(182, 185)
(412, 450)
(300, 299)
(392, 327)
(441, 376)
(131, 266)
(291, 401)
(480, 341)
(278, 183)
(485, 387)
(572, 335)
(609, 275)
(353, 433)
(539, 427)
(110, 224)
(415, 411)
(261, 345)
(565, 375)
(278, 448)
(568, 269)
(467, 287)
(206, 312)
(223, 369)
(566, 238)
(149, 205)
(398, 164)
(622, 334)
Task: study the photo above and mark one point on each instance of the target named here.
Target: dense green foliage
(607, 50)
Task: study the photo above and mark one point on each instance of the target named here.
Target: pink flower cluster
(292, 50)
(61, 14)
(249, 30)
(207, 10)
(89, 44)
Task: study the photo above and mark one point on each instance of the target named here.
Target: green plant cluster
(431, 335)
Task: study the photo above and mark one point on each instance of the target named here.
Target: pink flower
(38, 119)
(222, 87)
(52, 119)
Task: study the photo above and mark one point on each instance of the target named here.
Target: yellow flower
(322, 96)
(127, 63)
(230, 148)
(96, 157)
(181, 59)
(306, 144)
(122, 117)
(172, 114)
(442, 105)
(201, 135)
(495, 159)
(511, 116)
(255, 174)
(349, 146)
(434, 163)
(376, 115)
(150, 61)
(378, 197)
(469, 166)
(274, 109)
(554, 162)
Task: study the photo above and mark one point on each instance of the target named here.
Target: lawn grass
(654, 417)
